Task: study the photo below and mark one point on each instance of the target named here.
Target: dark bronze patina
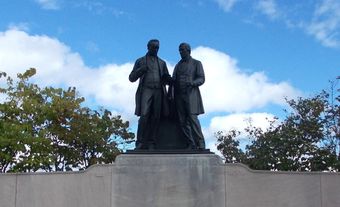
(168, 119)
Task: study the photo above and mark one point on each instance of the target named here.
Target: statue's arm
(137, 71)
(199, 77)
(174, 73)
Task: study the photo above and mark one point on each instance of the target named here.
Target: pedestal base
(175, 151)
(194, 180)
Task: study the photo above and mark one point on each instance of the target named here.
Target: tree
(48, 129)
(306, 140)
(229, 146)
(332, 119)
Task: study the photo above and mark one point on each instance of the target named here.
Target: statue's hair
(152, 40)
(186, 45)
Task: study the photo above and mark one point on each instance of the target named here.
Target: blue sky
(254, 53)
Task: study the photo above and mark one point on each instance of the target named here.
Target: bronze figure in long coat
(137, 73)
(151, 100)
(188, 75)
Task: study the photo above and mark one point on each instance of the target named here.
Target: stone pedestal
(185, 180)
(170, 180)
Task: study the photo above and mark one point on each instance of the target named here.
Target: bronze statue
(151, 100)
(188, 75)
(182, 129)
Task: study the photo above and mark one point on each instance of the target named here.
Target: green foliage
(306, 140)
(229, 146)
(48, 129)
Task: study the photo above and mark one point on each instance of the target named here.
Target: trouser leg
(153, 127)
(142, 132)
(150, 117)
(147, 131)
(139, 135)
(155, 114)
(187, 130)
(197, 131)
(184, 121)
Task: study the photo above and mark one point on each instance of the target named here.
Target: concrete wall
(170, 181)
(89, 188)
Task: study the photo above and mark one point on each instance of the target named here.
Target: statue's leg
(155, 115)
(153, 132)
(184, 122)
(197, 131)
(142, 131)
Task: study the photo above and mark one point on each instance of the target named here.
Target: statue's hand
(167, 79)
(190, 84)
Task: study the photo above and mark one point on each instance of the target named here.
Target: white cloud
(2, 97)
(57, 65)
(228, 89)
(226, 5)
(48, 4)
(269, 8)
(238, 122)
(325, 26)
(98, 8)
(23, 26)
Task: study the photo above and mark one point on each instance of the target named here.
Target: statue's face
(153, 48)
(184, 52)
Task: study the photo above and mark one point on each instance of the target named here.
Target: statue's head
(184, 50)
(153, 46)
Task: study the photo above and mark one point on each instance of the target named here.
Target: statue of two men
(152, 99)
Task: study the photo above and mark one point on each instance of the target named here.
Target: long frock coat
(138, 73)
(196, 76)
